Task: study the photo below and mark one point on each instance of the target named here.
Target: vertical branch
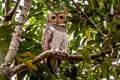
(14, 44)
(7, 7)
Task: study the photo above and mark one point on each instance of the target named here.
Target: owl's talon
(53, 50)
(57, 50)
(62, 53)
(66, 54)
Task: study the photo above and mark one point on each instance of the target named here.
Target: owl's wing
(46, 38)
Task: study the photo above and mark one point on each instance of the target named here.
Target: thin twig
(7, 7)
(89, 20)
(9, 15)
(15, 8)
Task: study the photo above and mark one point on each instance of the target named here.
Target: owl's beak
(57, 23)
(61, 24)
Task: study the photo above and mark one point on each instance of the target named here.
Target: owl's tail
(53, 64)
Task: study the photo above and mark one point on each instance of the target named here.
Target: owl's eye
(61, 17)
(53, 17)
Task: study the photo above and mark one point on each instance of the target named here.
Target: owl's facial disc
(53, 18)
(62, 19)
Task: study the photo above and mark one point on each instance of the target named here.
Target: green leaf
(6, 31)
(101, 4)
(28, 54)
(87, 33)
(86, 54)
(0, 6)
(31, 65)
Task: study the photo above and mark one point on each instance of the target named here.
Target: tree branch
(14, 44)
(47, 53)
(9, 14)
(89, 20)
(7, 7)
(15, 8)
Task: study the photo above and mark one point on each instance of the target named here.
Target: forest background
(94, 39)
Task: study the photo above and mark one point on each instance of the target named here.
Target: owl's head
(57, 18)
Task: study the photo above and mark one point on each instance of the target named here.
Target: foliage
(84, 39)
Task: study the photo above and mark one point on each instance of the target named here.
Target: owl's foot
(55, 50)
(62, 53)
(65, 53)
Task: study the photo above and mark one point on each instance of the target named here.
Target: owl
(55, 38)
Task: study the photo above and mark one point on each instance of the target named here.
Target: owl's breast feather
(57, 38)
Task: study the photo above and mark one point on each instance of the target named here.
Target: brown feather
(46, 38)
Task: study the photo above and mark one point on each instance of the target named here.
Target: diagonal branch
(85, 15)
(14, 44)
(7, 7)
(47, 53)
(9, 14)
(15, 8)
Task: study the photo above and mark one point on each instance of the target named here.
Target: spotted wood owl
(55, 38)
